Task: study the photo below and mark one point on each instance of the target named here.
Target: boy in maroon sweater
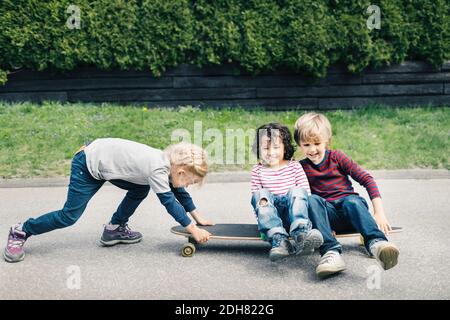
(334, 205)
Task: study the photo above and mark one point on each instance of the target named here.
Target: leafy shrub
(257, 35)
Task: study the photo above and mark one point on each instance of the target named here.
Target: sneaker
(14, 251)
(121, 234)
(330, 263)
(305, 243)
(281, 247)
(386, 253)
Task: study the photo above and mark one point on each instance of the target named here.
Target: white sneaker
(386, 253)
(330, 263)
(314, 240)
(306, 243)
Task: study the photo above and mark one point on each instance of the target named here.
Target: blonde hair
(190, 156)
(313, 127)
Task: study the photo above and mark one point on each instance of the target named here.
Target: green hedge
(305, 35)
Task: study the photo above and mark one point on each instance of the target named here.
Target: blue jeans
(348, 214)
(281, 213)
(82, 188)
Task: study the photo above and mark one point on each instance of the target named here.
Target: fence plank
(78, 73)
(262, 81)
(351, 102)
(211, 70)
(86, 84)
(405, 77)
(238, 81)
(349, 91)
(407, 66)
(34, 96)
(267, 104)
(161, 94)
(446, 66)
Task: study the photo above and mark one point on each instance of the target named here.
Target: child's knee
(68, 218)
(298, 192)
(262, 197)
(67, 221)
(316, 206)
(314, 201)
(266, 211)
(353, 202)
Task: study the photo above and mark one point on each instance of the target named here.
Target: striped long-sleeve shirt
(279, 181)
(330, 178)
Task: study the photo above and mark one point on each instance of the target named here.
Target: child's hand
(200, 220)
(205, 222)
(383, 223)
(379, 216)
(200, 235)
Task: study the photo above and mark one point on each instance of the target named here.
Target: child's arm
(352, 169)
(379, 216)
(201, 220)
(256, 179)
(256, 183)
(159, 182)
(186, 201)
(301, 179)
(361, 176)
(176, 210)
(200, 235)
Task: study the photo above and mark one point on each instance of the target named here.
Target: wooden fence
(411, 83)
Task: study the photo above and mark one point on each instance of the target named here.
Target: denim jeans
(82, 188)
(348, 214)
(281, 213)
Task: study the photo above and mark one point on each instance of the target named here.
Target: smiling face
(272, 151)
(314, 150)
(313, 135)
(182, 178)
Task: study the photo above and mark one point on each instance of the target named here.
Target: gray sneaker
(386, 253)
(330, 263)
(14, 251)
(121, 234)
(305, 243)
(281, 247)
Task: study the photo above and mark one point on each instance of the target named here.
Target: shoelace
(16, 241)
(125, 228)
(328, 258)
(276, 241)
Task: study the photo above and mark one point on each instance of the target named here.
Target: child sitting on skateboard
(334, 205)
(131, 166)
(280, 192)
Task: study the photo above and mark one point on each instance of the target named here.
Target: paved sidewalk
(236, 176)
(154, 269)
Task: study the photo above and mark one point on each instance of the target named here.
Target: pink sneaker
(14, 249)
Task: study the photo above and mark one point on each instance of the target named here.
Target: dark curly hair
(275, 129)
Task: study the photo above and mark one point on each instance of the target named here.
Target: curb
(237, 176)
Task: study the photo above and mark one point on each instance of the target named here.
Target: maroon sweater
(329, 179)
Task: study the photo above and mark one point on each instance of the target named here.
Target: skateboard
(238, 231)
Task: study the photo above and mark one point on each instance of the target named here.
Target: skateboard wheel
(188, 250)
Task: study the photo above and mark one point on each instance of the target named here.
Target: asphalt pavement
(71, 264)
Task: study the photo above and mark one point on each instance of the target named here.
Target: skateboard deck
(238, 231)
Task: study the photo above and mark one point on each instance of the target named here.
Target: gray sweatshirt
(120, 159)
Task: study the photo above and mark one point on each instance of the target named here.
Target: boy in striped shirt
(280, 191)
(334, 205)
